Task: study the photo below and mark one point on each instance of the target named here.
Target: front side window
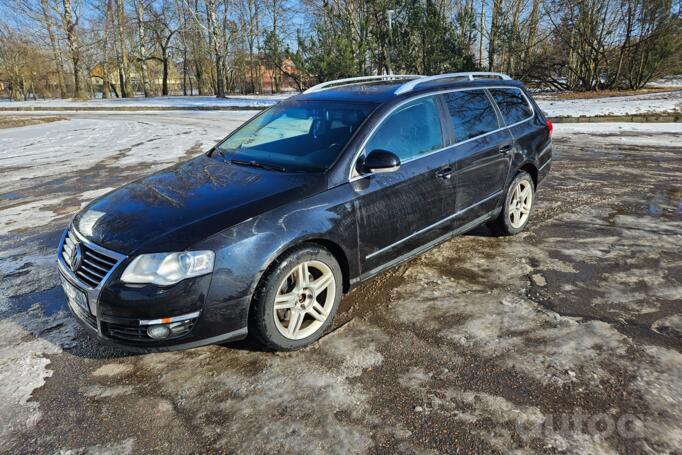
(412, 130)
(512, 104)
(471, 113)
(296, 136)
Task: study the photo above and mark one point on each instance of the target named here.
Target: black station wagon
(265, 232)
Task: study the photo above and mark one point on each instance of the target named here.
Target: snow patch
(26, 340)
(121, 448)
(113, 369)
(615, 105)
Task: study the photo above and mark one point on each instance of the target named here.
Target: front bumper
(89, 323)
(121, 313)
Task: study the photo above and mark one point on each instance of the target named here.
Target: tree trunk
(164, 79)
(481, 32)
(184, 69)
(515, 45)
(217, 51)
(259, 72)
(626, 44)
(106, 85)
(250, 39)
(494, 31)
(74, 47)
(275, 68)
(56, 51)
(123, 69)
(143, 52)
(532, 33)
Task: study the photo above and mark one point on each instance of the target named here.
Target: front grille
(94, 265)
(124, 332)
(84, 316)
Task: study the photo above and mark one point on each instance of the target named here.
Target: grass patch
(14, 122)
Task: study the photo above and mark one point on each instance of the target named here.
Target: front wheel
(518, 205)
(297, 299)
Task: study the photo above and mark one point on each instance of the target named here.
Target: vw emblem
(76, 257)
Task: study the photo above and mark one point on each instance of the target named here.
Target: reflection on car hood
(176, 207)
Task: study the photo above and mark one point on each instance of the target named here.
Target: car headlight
(165, 269)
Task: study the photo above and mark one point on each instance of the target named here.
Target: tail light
(550, 126)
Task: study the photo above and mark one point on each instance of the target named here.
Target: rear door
(481, 152)
(397, 210)
(525, 127)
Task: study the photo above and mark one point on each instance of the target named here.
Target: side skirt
(424, 248)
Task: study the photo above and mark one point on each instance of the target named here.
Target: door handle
(445, 173)
(505, 149)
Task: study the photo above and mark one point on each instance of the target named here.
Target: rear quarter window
(512, 104)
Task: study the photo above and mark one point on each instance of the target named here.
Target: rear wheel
(297, 299)
(517, 208)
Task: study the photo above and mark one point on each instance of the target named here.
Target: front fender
(245, 251)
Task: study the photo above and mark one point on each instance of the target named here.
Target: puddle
(666, 203)
(50, 301)
(11, 196)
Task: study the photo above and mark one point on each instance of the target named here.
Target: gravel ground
(564, 339)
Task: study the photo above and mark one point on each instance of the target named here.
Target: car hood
(181, 205)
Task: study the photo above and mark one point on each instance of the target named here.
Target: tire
(306, 309)
(514, 216)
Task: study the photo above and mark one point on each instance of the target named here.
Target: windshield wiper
(258, 165)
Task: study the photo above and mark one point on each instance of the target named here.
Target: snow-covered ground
(668, 81)
(160, 102)
(616, 127)
(666, 102)
(61, 147)
(632, 134)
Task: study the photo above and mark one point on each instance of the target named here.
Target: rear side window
(410, 131)
(512, 104)
(471, 113)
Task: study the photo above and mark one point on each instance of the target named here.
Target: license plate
(75, 296)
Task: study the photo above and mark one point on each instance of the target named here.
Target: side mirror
(380, 161)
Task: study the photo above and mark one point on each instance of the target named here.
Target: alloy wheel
(304, 300)
(520, 203)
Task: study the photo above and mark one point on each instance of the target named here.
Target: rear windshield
(512, 104)
(296, 136)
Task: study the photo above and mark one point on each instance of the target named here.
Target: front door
(397, 211)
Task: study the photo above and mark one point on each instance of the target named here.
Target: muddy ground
(564, 339)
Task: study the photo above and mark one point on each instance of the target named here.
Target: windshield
(295, 136)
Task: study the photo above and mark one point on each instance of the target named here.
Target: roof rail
(352, 80)
(409, 86)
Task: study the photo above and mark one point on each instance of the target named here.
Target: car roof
(384, 91)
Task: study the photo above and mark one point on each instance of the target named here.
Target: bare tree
(164, 30)
(139, 9)
(56, 50)
(481, 33)
(70, 26)
(494, 34)
(228, 46)
(122, 51)
(218, 46)
(106, 80)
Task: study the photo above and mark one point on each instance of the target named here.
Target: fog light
(159, 332)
